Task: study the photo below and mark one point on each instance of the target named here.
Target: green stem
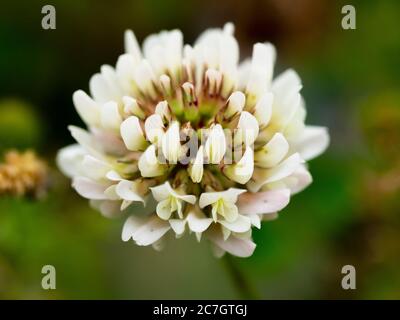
(243, 286)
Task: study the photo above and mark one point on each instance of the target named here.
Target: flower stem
(243, 286)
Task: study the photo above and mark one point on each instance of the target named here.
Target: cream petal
(263, 202)
(164, 209)
(272, 153)
(132, 134)
(230, 211)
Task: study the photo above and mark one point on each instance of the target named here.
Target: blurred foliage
(349, 215)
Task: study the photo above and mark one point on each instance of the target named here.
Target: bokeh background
(349, 215)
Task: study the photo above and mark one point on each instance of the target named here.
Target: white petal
(312, 142)
(149, 165)
(69, 160)
(144, 231)
(263, 202)
(154, 128)
(196, 168)
(162, 109)
(242, 171)
(241, 224)
(230, 195)
(87, 109)
(247, 129)
(197, 221)
(131, 107)
(128, 190)
(171, 146)
(86, 141)
(95, 168)
(263, 109)
(164, 209)
(272, 153)
(89, 189)
(161, 192)
(178, 226)
(235, 105)
(287, 81)
(131, 45)
(215, 146)
(132, 134)
(261, 71)
(110, 117)
(145, 79)
(283, 170)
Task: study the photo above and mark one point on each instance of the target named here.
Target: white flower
(202, 142)
(169, 200)
(223, 203)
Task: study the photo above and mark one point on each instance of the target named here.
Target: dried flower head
(22, 174)
(205, 143)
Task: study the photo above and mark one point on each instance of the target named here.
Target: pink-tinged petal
(144, 231)
(239, 247)
(313, 141)
(255, 220)
(263, 202)
(299, 180)
(90, 189)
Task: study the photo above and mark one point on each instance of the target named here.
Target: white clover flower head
(205, 143)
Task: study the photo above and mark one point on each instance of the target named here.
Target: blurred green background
(349, 215)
